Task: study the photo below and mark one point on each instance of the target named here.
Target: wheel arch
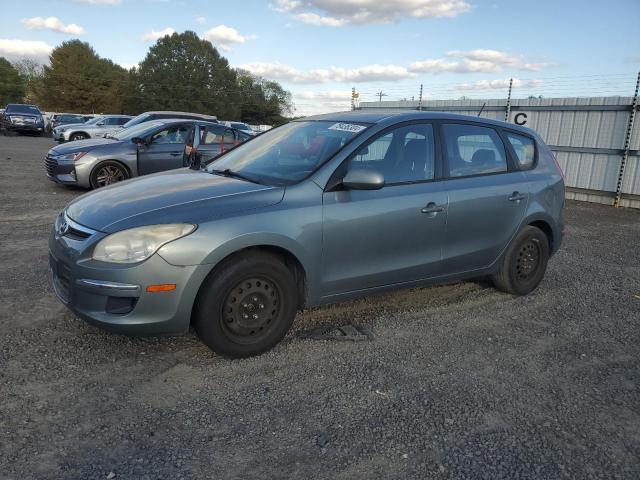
(545, 223)
(290, 259)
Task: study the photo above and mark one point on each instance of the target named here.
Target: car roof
(383, 115)
(165, 112)
(182, 120)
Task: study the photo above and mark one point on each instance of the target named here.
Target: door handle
(432, 208)
(516, 197)
(176, 154)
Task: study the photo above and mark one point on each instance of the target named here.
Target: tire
(108, 173)
(78, 136)
(247, 305)
(523, 265)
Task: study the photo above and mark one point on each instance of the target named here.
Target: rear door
(214, 140)
(488, 196)
(165, 149)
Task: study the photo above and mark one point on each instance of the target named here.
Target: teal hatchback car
(316, 211)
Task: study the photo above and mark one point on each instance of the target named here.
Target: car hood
(72, 125)
(176, 196)
(81, 145)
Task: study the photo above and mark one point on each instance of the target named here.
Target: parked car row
(147, 147)
(313, 212)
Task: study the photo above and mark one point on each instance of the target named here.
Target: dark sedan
(149, 147)
(19, 117)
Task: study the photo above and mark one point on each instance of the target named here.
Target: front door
(214, 140)
(487, 197)
(392, 235)
(165, 150)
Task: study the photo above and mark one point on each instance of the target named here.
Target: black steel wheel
(246, 305)
(523, 265)
(108, 173)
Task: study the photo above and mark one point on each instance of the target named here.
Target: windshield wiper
(230, 173)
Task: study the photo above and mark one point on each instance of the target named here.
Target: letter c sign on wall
(520, 119)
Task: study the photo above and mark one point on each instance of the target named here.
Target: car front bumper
(114, 296)
(25, 127)
(60, 171)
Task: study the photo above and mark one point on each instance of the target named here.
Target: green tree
(31, 73)
(12, 86)
(78, 80)
(263, 101)
(184, 72)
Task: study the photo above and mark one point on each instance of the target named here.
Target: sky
(321, 49)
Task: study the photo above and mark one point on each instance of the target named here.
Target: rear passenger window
(525, 150)
(214, 135)
(473, 150)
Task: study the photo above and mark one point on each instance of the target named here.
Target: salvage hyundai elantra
(316, 211)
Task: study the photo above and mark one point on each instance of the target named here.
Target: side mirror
(358, 178)
(139, 141)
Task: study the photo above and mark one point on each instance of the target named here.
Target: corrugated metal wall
(586, 134)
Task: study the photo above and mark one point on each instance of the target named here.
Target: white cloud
(223, 36)
(337, 13)
(368, 73)
(52, 23)
(200, 19)
(475, 61)
(99, 2)
(152, 36)
(13, 49)
(325, 95)
(497, 84)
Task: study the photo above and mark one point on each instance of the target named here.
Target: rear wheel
(524, 263)
(108, 173)
(79, 136)
(247, 306)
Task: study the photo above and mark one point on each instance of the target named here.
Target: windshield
(136, 131)
(287, 154)
(143, 117)
(93, 121)
(30, 109)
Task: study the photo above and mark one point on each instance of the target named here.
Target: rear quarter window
(524, 148)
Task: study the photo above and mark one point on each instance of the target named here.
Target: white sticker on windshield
(347, 127)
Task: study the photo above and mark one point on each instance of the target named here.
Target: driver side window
(178, 134)
(403, 155)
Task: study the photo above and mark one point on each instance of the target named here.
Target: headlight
(137, 244)
(72, 156)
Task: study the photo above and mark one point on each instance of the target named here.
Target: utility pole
(627, 144)
(507, 113)
(420, 99)
(353, 98)
(380, 94)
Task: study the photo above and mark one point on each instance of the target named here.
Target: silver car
(316, 211)
(96, 127)
(146, 148)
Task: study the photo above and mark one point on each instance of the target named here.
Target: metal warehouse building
(595, 139)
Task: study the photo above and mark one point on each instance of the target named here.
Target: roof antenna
(481, 109)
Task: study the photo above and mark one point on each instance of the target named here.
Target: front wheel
(108, 173)
(247, 306)
(524, 263)
(79, 136)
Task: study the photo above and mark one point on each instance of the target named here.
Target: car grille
(76, 234)
(50, 165)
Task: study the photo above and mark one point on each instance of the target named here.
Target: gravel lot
(461, 381)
